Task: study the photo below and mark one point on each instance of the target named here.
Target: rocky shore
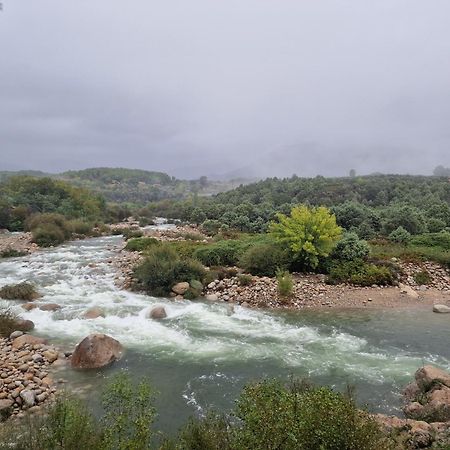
(427, 411)
(25, 374)
(18, 242)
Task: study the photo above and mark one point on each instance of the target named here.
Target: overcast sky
(215, 87)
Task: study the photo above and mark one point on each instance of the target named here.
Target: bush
(9, 322)
(129, 414)
(441, 240)
(273, 416)
(285, 282)
(162, 268)
(11, 253)
(400, 235)
(422, 277)
(309, 233)
(80, 227)
(361, 273)
(244, 279)
(48, 235)
(21, 291)
(350, 247)
(264, 259)
(140, 244)
(185, 249)
(221, 253)
(129, 233)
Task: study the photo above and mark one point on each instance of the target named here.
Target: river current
(199, 357)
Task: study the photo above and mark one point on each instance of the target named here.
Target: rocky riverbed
(26, 381)
(18, 242)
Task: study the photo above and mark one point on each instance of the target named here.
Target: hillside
(133, 185)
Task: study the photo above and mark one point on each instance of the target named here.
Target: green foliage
(400, 235)
(350, 247)
(48, 229)
(140, 244)
(12, 253)
(162, 268)
(285, 283)
(131, 233)
(303, 417)
(24, 196)
(129, 414)
(9, 322)
(221, 253)
(296, 417)
(361, 273)
(80, 227)
(422, 277)
(244, 279)
(21, 291)
(309, 233)
(185, 249)
(441, 240)
(264, 259)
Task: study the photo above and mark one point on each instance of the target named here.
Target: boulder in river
(96, 351)
(158, 312)
(25, 325)
(93, 313)
(441, 309)
(181, 288)
(49, 307)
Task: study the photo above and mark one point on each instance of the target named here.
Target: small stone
(15, 334)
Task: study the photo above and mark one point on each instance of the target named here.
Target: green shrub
(21, 291)
(48, 235)
(441, 240)
(9, 322)
(185, 249)
(162, 268)
(140, 244)
(350, 247)
(273, 416)
(11, 253)
(221, 253)
(193, 236)
(129, 233)
(264, 259)
(309, 233)
(129, 414)
(400, 235)
(80, 227)
(244, 279)
(361, 273)
(422, 277)
(285, 283)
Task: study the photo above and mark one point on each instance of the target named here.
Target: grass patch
(21, 291)
(9, 322)
(140, 244)
(422, 277)
(11, 253)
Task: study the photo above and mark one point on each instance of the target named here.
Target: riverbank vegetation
(268, 414)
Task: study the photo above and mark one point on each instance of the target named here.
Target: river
(199, 357)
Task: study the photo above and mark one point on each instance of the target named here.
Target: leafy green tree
(309, 233)
(350, 247)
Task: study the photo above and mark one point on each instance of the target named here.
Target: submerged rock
(93, 313)
(441, 309)
(96, 351)
(158, 312)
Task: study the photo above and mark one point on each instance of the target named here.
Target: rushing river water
(199, 357)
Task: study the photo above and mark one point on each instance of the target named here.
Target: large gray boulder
(96, 351)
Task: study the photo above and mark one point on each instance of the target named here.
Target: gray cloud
(255, 86)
